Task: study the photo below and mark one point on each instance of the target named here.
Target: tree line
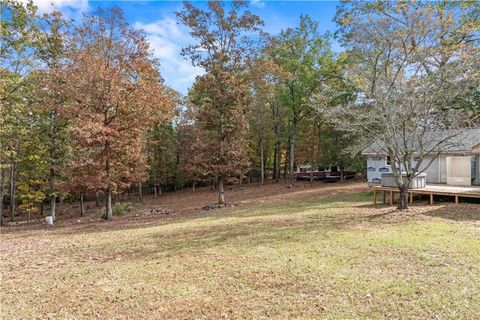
(85, 111)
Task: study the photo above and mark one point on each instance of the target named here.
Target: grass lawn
(334, 258)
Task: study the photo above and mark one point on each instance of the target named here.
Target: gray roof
(460, 141)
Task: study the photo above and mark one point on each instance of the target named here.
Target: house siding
(436, 172)
(377, 165)
(476, 181)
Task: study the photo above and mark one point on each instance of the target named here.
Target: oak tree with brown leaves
(221, 95)
(116, 89)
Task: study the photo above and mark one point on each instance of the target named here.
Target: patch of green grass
(336, 258)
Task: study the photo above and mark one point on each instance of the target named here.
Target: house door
(459, 171)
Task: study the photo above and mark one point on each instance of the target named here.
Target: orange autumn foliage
(117, 92)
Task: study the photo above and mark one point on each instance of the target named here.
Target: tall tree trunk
(342, 174)
(265, 160)
(221, 195)
(41, 208)
(292, 155)
(12, 190)
(155, 191)
(2, 188)
(262, 162)
(312, 157)
(193, 186)
(291, 164)
(214, 183)
(277, 127)
(274, 172)
(403, 201)
(97, 199)
(82, 207)
(53, 136)
(276, 166)
(108, 205)
(177, 164)
(53, 203)
(108, 200)
(140, 194)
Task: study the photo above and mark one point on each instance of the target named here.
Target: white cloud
(45, 6)
(258, 3)
(167, 38)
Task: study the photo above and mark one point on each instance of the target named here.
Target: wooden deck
(430, 190)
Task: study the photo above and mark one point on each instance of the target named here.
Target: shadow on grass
(464, 213)
(235, 237)
(244, 234)
(251, 210)
(238, 229)
(272, 233)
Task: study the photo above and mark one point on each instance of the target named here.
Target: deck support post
(456, 193)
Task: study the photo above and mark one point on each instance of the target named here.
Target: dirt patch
(256, 193)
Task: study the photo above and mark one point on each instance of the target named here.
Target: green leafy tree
(162, 148)
(305, 56)
(52, 78)
(32, 168)
(260, 118)
(17, 39)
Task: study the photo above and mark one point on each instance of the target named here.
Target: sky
(167, 37)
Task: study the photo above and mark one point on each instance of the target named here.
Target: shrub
(119, 209)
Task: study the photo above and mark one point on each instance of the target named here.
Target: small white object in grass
(49, 220)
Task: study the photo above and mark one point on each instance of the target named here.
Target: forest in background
(85, 113)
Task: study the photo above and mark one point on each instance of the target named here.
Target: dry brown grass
(305, 258)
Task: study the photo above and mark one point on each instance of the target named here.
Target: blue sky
(158, 19)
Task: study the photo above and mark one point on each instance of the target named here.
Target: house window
(387, 161)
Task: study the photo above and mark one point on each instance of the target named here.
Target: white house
(457, 164)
